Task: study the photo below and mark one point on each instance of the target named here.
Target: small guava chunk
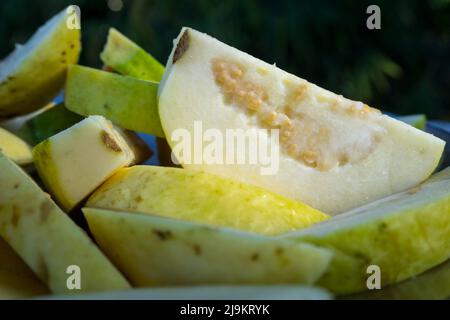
(128, 102)
(74, 162)
(16, 278)
(15, 148)
(47, 240)
(34, 73)
(334, 153)
(210, 292)
(156, 251)
(204, 198)
(404, 234)
(126, 57)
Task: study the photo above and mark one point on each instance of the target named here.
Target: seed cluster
(301, 137)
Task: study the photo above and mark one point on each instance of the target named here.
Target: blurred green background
(402, 68)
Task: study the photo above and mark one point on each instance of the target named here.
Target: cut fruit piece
(33, 74)
(334, 153)
(212, 292)
(47, 123)
(15, 148)
(128, 102)
(126, 57)
(47, 239)
(16, 278)
(204, 198)
(418, 121)
(404, 234)
(56, 119)
(73, 163)
(154, 251)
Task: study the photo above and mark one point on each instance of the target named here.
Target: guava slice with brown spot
(157, 251)
(334, 153)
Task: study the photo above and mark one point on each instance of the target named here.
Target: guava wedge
(34, 73)
(204, 198)
(47, 239)
(211, 292)
(128, 102)
(126, 57)
(153, 251)
(404, 234)
(16, 278)
(74, 162)
(15, 148)
(47, 123)
(58, 118)
(335, 154)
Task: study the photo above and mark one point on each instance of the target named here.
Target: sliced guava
(34, 73)
(204, 198)
(15, 148)
(403, 234)
(154, 251)
(126, 57)
(335, 154)
(128, 102)
(47, 239)
(74, 162)
(16, 278)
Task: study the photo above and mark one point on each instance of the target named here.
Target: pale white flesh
(384, 156)
(81, 158)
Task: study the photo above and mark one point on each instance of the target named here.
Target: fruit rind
(47, 239)
(33, 74)
(203, 198)
(126, 57)
(404, 234)
(128, 102)
(154, 251)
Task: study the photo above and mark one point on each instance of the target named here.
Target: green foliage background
(402, 68)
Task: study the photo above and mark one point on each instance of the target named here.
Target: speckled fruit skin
(404, 234)
(156, 251)
(41, 74)
(128, 102)
(127, 58)
(47, 239)
(203, 198)
(15, 148)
